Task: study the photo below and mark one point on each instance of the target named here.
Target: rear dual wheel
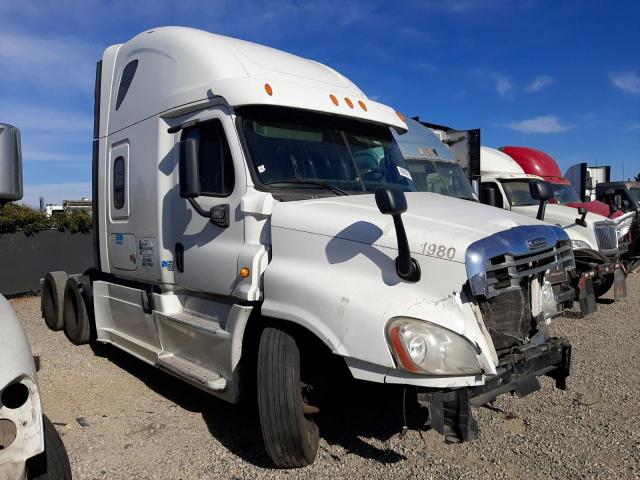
(52, 299)
(290, 436)
(78, 312)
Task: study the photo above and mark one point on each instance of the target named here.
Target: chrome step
(207, 324)
(190, 370)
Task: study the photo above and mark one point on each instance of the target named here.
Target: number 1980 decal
(442, 251)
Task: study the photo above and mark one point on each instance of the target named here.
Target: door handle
(179, 257)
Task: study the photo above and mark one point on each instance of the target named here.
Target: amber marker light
(244, 272)
(268, 89)
(348, 102)
(334, 99)
(401, 116)
(362, 105)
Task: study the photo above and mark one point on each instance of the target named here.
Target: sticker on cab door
(404, 172)
(119, 239)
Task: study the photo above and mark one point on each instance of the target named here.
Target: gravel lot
(142, 423)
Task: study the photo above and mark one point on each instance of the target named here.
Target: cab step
(199, 322)
(189, 370)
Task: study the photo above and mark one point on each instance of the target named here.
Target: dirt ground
(122, 419)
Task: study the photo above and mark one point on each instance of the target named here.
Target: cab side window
(215, 161)
(118, 183)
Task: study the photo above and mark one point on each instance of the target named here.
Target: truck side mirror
(488, 196)
(542, 191)
(583, 214)
(391, 201)
(10, 164)
(189, 173)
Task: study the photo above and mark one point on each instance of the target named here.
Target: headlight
(580, 245)
(422, 347)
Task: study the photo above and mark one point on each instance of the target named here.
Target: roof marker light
(401, 116)
(348, 102)
(334, 99)
(362, 105)
(268, 89)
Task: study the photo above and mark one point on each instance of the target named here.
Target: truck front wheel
(291, 439)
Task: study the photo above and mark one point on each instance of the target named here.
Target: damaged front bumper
(450, 410)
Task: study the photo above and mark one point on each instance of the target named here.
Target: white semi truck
(596, 239)
(438, 158)
(249, 236)
(30, 446)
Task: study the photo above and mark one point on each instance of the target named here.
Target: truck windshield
(518, 193)
(445, 178)
(564, 194)
(636, 192)
(293, 149)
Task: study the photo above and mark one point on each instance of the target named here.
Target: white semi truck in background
(249, 237)
(30, 446)
(439, 156)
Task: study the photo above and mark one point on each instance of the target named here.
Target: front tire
(53, 463)
(291, 439)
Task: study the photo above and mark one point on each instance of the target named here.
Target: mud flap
(620, 283)
(586, 296)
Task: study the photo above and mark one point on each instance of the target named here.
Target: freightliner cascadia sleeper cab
(249, 226)
(30, 446)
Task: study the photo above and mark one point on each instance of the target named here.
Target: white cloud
(540, 82)
(541, 124)
(56, 192)
(632, 127)
(628, 81)
(502, 83)
(43, 119)
(61, 63)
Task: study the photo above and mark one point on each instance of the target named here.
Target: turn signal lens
(401, 116)
(348, 102)
(268, 89)
(244, 272)
(362, 105)
(334, 100)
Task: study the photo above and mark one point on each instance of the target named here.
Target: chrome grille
(505, 272)
(623, 225)
(606, 235)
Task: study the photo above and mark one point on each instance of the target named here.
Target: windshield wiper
(325, 185)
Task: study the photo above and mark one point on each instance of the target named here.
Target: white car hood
(16, 359)
(430, 219)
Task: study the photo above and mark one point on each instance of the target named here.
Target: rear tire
(53, 463)
(603, 286)
(52, 299)
(291, 439)
(78, 312)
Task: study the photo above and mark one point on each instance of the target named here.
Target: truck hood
(565, 217)
(447, 223)
(16, 359)
(595, 206)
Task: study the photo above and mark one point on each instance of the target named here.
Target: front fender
(345, 292)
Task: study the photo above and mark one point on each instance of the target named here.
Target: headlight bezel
(580, 245)
(447, 352)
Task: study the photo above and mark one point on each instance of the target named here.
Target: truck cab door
(206, 248)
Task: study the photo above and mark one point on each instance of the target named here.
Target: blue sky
(562, 76)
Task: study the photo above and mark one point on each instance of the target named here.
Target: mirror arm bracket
(218, 214)
(541, 209)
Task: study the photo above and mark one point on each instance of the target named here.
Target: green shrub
(16, 217)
